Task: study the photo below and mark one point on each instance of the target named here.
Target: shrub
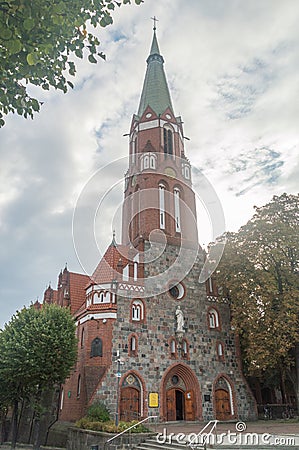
(109, 426)
(98, 412)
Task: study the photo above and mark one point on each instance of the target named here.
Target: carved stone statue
(179, 319)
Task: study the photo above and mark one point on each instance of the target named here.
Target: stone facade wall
(154, 357)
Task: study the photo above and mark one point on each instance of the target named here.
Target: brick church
(152, 339)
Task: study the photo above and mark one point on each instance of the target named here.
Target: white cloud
(233, 72)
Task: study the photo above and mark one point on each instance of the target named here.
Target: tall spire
(155, 92)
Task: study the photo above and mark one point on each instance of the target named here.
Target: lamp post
(118, 375)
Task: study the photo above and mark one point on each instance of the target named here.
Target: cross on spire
(155, 20)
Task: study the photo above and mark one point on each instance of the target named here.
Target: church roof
(78, 284)
(106, 270)
(155, 92)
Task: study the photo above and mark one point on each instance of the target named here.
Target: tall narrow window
(162, 206)
(126, 273)
(79, 386)
(82, 338)
(168, 142)
(210, 285)
(135, 267)
(177, 215)
(133, 346)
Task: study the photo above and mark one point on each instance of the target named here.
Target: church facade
(152, 339)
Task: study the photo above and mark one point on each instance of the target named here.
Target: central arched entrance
(180, 394)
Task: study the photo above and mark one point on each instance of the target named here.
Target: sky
(232, 67)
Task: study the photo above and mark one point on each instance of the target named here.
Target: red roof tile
(106, 271)
(78, 284)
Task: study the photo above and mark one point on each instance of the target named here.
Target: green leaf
(29, 24)
(14, 46)
(32, 59)
(70, 84)
(35, 105)
(5, 33)
(92, 59)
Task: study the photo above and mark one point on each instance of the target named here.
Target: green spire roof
(155, 92)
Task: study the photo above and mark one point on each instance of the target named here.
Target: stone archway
(180, 394)
(130, 403)
(223, 399)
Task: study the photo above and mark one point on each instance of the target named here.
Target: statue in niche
(179, 320)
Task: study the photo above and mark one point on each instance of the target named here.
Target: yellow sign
(153, 400)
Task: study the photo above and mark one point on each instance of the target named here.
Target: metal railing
(108, 442)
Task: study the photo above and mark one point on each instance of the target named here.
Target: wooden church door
(189, 405)
(129, 404)
(170, 405)
(222, 400)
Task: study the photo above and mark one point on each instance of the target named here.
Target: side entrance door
(129, 404)
(223, 409)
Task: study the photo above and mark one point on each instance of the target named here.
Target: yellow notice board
(153, 400)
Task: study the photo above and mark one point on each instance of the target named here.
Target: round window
(175, 379)
(176, 290)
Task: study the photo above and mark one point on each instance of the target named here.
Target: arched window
(137, 310)
(152, 161)
(162, 205)
(168, 141)
(82, 337)
(134, 149)
(126, 273)
(133, 345)
(213, 318)
(172, 346)
(220, 350)
(185, 348)
(177, 215)
(135, 267)
(79, 386)
(146, 162)
(96, 347)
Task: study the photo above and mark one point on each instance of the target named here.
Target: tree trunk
(36, 440)
(14, 424)
(36, 443)
(283, 384)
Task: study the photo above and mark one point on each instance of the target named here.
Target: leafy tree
(38, 351)
(259, 271)
(38, 41)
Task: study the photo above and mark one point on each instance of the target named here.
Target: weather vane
(155, 20)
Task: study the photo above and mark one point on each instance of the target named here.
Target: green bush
(98, 412)
(109, 426)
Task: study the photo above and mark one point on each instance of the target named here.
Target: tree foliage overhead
(260, 271)
(38, 40)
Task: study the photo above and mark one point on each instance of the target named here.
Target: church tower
(152, 339)
(158, 192)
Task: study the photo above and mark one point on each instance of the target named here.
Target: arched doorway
(130, 398)
(223, 399)
(180, 394)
